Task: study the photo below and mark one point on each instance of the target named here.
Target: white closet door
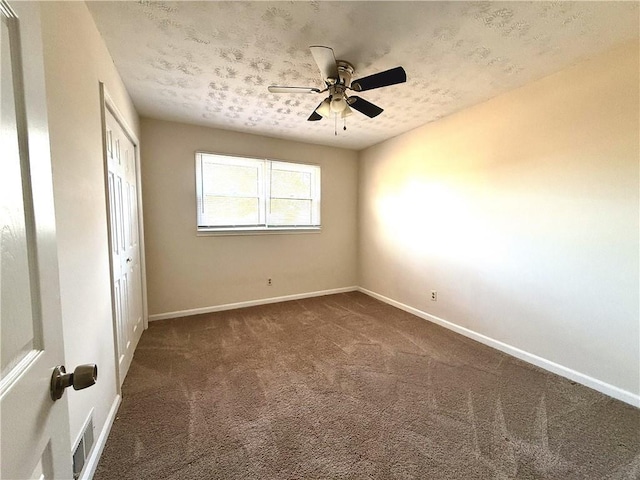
(125, 240)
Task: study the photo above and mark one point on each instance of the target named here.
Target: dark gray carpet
(344, 386)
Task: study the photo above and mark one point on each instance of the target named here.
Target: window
(250, 194)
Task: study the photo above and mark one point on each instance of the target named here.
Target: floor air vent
(83, 448)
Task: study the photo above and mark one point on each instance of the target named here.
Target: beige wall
(76, 59)
(522, 212)
(186, 271)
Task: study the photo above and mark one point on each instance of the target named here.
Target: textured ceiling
(209, 63)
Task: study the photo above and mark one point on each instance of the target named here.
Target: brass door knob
(82, 377)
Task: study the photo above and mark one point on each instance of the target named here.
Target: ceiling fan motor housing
(346, 71)
(338, 99)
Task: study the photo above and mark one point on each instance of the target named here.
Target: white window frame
(264, 191)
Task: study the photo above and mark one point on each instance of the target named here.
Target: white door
(125, 240)
(34, 429)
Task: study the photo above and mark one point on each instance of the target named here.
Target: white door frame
(107, 103)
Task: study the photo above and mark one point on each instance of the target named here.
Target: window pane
(233, 180)
(290, 212)
(238, 192)
(220, 211)
(288, 184)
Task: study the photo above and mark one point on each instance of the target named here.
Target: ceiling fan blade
(382, 79)
(315, 116)
(277, 89)
(363, 106)
(326, 61)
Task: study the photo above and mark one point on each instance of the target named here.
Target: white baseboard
(600, 386)
(92, 462)
(250, 303)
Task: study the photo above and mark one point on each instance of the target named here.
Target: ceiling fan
(337, 75)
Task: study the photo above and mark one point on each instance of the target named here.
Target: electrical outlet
(434, 296)
(269, 282)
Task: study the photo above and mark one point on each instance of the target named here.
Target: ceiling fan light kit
(337, 76)
(324, 109)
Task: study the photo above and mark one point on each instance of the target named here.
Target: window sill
(256, 231)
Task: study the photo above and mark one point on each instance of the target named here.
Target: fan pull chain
(335, 124)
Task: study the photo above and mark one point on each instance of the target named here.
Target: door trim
(107, 103)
